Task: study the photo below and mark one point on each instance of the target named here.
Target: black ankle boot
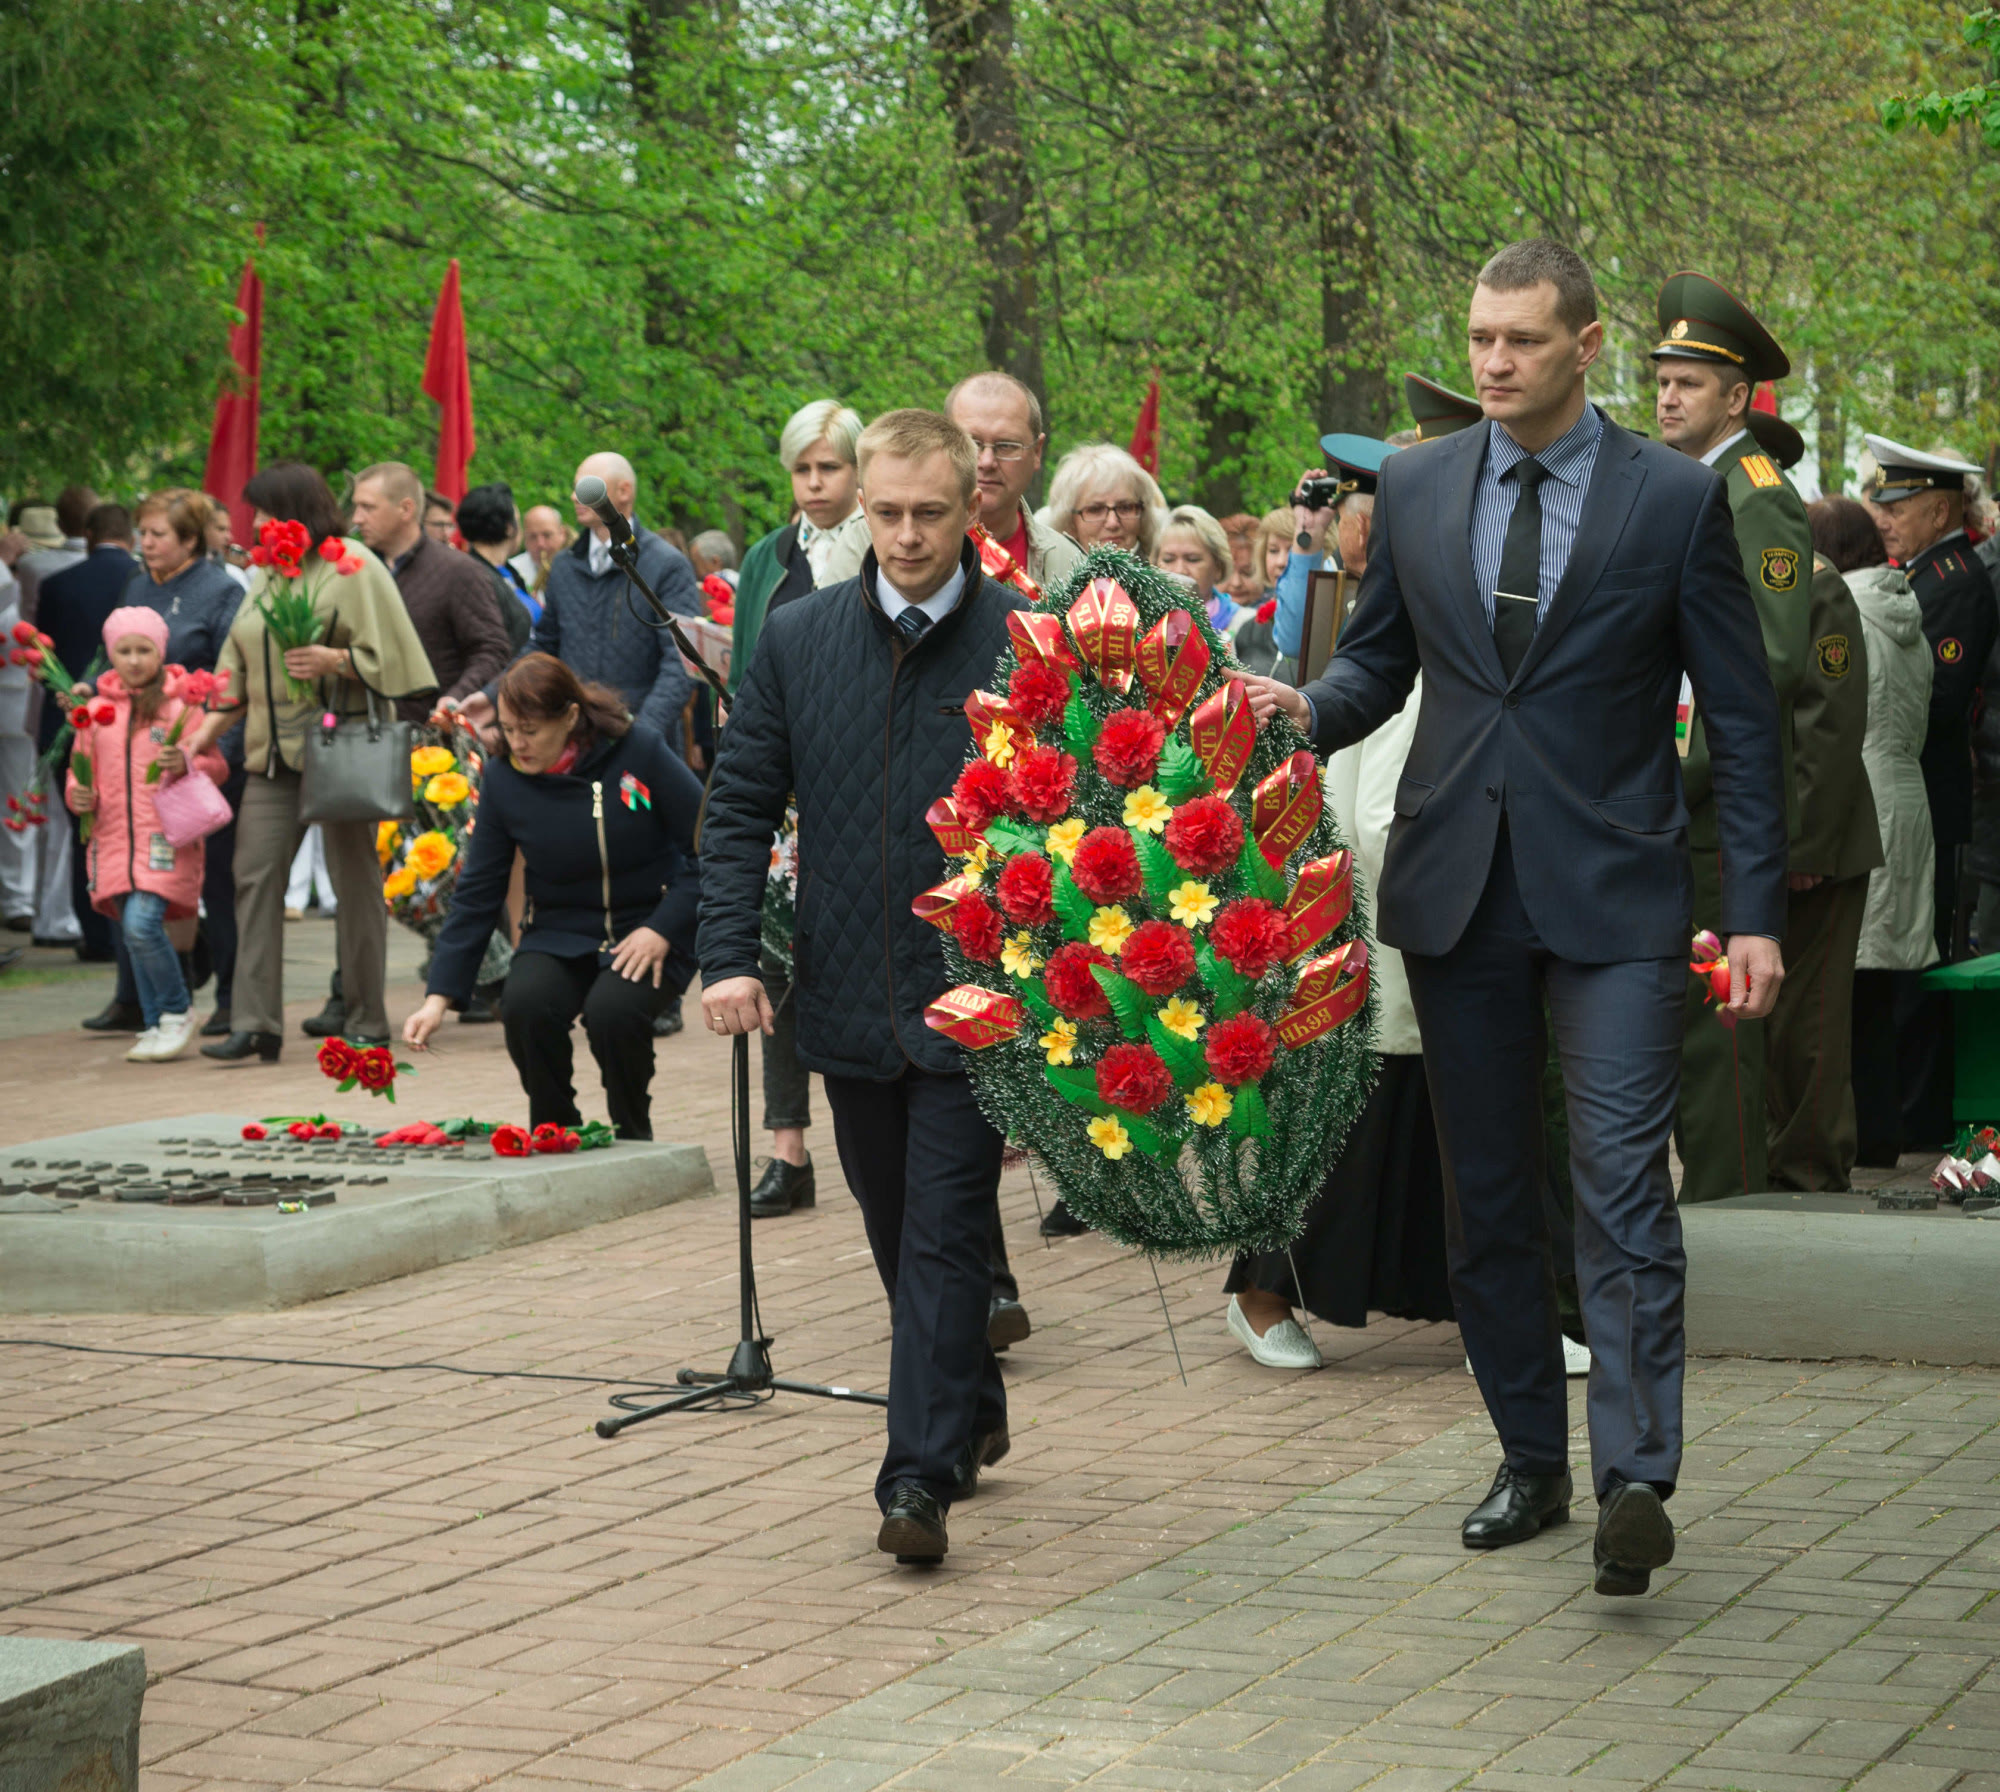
(262, 1046)
(115, 1017)
(783, 1187)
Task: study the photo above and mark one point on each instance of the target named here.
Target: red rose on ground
(1159, 957)
(1133, 1077)
(254, 1132)
(1240, 1049)
(1038, 693)
(338, 1059)
(1106, 865)
(511, 1141)
(975, 923)
(1205, 835)
(1040, 783)
(1073, 990)
(1026, 888)
(376, 1068)
(1249, 934)
(1128, 746)
(103, 714)
(980, 793)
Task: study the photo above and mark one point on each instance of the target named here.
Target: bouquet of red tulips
(288, 606)
(199, 693)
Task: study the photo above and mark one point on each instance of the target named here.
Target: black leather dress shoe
(217, 1025)
(1059, 1222)
(115, 1017)
(1519, 1507)
(1006, 1322)
(981, 1452)
(329, 1023)
(912, 1527)
(484, 1008)
(238, 1046)
(782, 1187)
(1634, 1536)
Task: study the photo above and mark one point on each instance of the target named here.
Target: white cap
(1908, 471)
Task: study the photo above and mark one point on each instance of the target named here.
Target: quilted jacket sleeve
(746, 802)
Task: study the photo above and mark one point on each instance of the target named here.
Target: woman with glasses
(1105, 499)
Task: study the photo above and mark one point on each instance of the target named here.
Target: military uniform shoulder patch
(1780, 571)
(1951, 650)
(1834, 659)
(1763, 471)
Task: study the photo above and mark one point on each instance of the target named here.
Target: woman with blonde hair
(1104, 498)
(1194, 545)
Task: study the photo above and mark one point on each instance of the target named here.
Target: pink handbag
(189, 809)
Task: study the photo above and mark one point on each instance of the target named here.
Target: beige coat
(1897, 924)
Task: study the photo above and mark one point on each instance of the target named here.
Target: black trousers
(218, 893)
(924, 1164)
(1481, 1010)
(545, 995)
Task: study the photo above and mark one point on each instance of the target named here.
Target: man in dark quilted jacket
(854, 700)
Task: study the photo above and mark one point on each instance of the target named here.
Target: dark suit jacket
(71, 609)
(1579, 749)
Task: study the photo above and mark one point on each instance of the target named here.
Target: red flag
(448, 379)
(1765, 399)
(232, 442)
(1146, 432)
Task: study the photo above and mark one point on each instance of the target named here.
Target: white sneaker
(142, 1047)
(1284, 1346)
(1576, 1357)
(172, 1035)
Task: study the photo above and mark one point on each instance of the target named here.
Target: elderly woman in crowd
(366, 647)
(1193, 544)
(1898, 936)
(603, 815)
(1104, 498)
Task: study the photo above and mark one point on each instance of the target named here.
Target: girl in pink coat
(135, 875)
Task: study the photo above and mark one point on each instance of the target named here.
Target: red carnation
(1040, 782)
(1038, 693)
(1267, 609)
(103, 714)
(976, 924)
(376, 1069)
(1071, 987)
(1106, 865)
(1128, 746)
(1250, 934)
(1240, 1049)
(1205, 836)
(338, 1060)
(980, 794)
(1158, 956)
(1026, 888)
(1133, 1077)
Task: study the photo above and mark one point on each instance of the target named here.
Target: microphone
(590, 493)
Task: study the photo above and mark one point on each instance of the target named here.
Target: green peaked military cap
(1438, 410)
(1358, 458)
(1777, 438)
(1702, 320)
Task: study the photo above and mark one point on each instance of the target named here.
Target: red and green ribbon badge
(634, 793)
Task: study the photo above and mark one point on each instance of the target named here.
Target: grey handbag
(358, 770)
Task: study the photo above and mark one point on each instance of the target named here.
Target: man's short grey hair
(824, 420)
(994, 377)
(714, 544)
(397, 479)
(1100, 467)
(1529, 263)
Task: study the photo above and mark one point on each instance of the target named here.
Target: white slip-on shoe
(1576, 1357)
(173, 1034)
(1284, 1346)
(142, 1047)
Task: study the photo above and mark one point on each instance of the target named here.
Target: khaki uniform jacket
(1837, 836)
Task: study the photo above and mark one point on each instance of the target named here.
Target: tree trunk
(1225, 425)
(1832, 433)
(972, 44)
(1353, 382)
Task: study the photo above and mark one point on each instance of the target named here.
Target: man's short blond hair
(397, 480)
(911, 435)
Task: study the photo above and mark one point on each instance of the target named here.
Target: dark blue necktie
(911, 625)
(1517, 600)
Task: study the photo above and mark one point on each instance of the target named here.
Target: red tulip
(253, 1132)
(24, 632)
(103, 714)
(332, 548)
(79, 717)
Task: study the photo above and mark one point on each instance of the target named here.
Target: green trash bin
(1975, 1019)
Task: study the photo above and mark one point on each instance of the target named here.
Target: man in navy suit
(1552, 576)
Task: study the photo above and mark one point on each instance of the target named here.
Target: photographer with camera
(1340, 502)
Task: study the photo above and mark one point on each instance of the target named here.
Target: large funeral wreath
(1162, 978)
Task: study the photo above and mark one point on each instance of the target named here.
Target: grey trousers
(17, 850)
(268, 832)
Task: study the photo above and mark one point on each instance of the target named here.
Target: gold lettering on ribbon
(1223, 734)
(974, 1017)
(987, 712)
(953, 835)
(1039, 637)
(1001, 565)
(1173, 660)
(1285, 807)
(1105, 622)
(1331, 990)
(935, 904)
(1319, 902)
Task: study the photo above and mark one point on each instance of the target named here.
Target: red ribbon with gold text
(1039, 637)
(986, 711)
(1224, 734)
(1285, 807)
(1105, 622)
(1001, 565)
(1331, 990)
(1319, 902)
(974, 1017)
(958, 840)
(1173, 660)
(935, 904)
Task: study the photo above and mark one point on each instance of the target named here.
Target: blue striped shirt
(1568, 461)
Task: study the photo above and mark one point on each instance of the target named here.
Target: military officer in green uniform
(1808, 1039)
(1438, 410)
(1712, 355)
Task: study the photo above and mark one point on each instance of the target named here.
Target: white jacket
(1361, 785)
(1897, 925)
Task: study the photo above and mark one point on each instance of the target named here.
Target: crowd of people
(581, 894)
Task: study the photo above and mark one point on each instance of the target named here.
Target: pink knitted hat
(135, 619)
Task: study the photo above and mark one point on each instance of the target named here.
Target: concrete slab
(146, 1218)
(69, 1715)
(1823, 1276)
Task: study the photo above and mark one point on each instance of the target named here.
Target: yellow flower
(1110, 928)
(999, 744)
(427, 762)
(1063, 838)
(447, 790)
(1191, 903)
(388, 836)
(1182, 1018)
(1017, 956)
(398, 883)
(1060, 1042)
(978, 862)
(1209, 1104)
(1147, 811)
(430, 853)
(1109, 1137)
